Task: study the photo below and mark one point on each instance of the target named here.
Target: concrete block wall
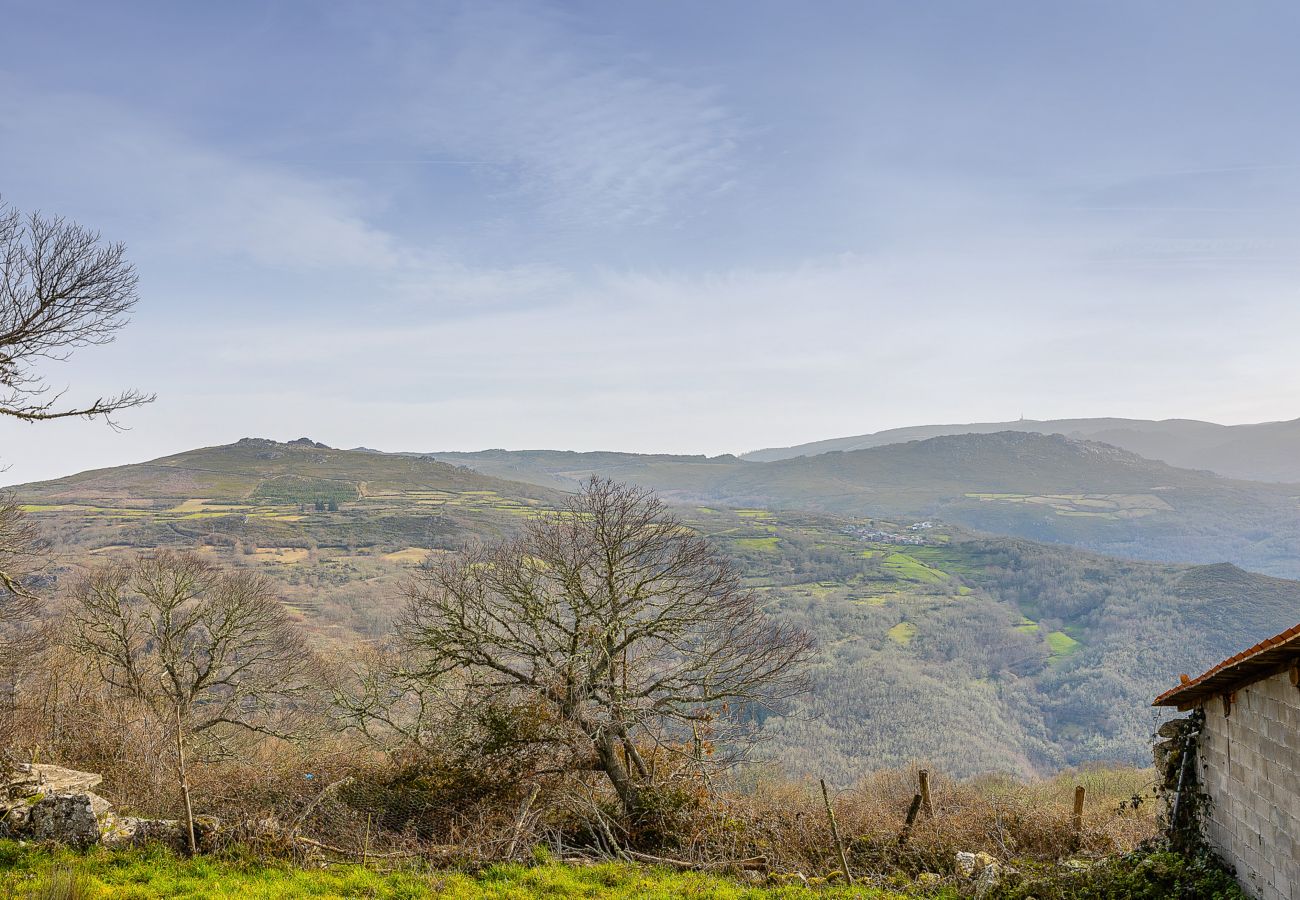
(1250, 766)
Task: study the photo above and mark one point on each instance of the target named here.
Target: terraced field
(1099, 506)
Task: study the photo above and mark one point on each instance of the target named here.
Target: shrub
(1149, 874)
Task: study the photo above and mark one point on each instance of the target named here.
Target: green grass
(764, 544)
(1062, 644)
(904, 566)
(27, 872)
(952, 560)
(902, 633)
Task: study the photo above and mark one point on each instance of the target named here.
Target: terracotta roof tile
(1246, 666)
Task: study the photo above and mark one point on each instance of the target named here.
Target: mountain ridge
(977, 652)
(1045, 487)
(1264, 451)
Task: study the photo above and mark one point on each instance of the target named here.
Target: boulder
(51, 803)
(980, 866)
(68, 818)
(123, 831)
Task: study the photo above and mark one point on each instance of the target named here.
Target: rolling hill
(1045, 487)
(973, 652)
(1268, 451)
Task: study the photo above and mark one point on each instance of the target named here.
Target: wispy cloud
(184, 197)
(177, 199)
(581, 126)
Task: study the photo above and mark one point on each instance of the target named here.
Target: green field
(902, 633)
(33, 873)
(1062, 645)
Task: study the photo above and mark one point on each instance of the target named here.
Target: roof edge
(1250, 665)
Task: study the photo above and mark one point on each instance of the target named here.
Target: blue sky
(670, 226)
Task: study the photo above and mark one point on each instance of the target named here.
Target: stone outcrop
(66, 818)
(26, 780)
(51, 803)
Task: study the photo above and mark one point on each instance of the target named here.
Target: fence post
(365, 846)
(835, 834)
(1076, 821)
(923, 777)
(911, 820)
(519, 822)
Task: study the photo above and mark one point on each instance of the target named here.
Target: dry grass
(68, 719)
(1008, 818)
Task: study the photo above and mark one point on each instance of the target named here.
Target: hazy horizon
(668, 228)
(117, 458)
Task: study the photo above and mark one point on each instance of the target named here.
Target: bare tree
(61, 287)
(21, 639)
(20, 554)
(211, 653)
(630, 629)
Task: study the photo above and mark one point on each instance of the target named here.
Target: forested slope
(973, 652)
(1045, 487)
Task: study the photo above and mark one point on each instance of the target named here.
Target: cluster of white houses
(1248, 762)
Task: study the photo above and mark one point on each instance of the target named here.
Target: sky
(664, 227)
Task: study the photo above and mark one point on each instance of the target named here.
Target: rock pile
(51, 803)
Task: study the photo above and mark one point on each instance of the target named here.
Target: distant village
(915, 534)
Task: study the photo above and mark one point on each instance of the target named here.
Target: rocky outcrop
(51, 803)
(66, 818)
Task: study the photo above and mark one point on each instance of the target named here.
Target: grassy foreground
(37, 874)
(30, 873)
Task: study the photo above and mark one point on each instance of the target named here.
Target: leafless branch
(629, 627)
(61, 287)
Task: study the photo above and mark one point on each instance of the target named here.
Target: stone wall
(1250, 768)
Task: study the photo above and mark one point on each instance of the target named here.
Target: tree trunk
(629, 794)
(185, 784)
(631, 755)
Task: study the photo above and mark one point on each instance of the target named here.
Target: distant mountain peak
(271, 442)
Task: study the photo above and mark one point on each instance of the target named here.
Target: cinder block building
(1248, 761)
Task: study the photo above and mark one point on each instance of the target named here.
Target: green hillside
(256, 468)
(337, 527)
(974, 653)
(1045, 487)
(985, 653)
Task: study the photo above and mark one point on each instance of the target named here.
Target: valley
(972, 651)
(1046, 488)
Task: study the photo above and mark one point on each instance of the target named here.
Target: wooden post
(835, 834)
(923, 777)
(365, 844)
(185, 784)
(1076, 821)
(911, 820)
(519, 821)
